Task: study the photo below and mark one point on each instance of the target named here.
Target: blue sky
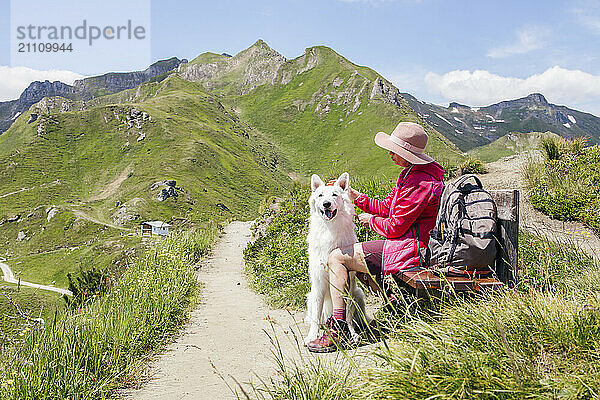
(474, 52)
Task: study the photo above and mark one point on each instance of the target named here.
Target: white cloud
(528, 39)
(13, 80)
(480, 88)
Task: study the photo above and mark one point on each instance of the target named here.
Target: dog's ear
(315, 182)
(343, 181)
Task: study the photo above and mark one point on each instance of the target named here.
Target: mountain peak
(537, 98)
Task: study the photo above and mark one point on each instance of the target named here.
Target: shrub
(87, 286)
(540, 340)
(472, 166)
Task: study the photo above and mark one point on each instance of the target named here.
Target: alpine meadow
(98, 299)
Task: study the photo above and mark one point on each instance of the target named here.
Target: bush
(85, 354)
(472, 166)
(90, 284)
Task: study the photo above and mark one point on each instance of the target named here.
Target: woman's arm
(373, 206)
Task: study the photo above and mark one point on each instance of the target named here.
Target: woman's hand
(364, 218)
(353, 194)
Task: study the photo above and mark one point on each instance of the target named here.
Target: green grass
(215, 157)
(33, 302)
(566, 184)
(85, 354)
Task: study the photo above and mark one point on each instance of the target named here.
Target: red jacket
(406, 215)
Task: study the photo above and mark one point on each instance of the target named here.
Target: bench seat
(423, 281)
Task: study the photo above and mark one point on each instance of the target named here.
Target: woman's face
(398, 160)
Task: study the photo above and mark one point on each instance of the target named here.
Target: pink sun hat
(408, 140)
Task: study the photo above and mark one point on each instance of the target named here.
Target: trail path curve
(10, 278)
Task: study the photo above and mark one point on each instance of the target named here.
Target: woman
(404, 218)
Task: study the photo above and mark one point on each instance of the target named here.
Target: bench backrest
(507, 203)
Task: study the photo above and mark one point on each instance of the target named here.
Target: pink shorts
(373, 251)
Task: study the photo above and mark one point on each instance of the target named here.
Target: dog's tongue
(328, 214)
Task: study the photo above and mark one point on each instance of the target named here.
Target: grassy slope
(509, 145)
(289, 110)
(191, 139)
(213, 155)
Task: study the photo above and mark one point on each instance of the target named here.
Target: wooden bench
(424, 283)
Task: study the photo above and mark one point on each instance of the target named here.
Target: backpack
(464, 236)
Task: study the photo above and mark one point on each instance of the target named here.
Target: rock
(32, 118)
(168, 182)
(167, 192)
(223, 207)
(21, 236)
(51, 213)
(124, 215)
(141, 137)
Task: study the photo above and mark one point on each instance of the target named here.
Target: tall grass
(87, 353)
(520, 345)
(566, 184)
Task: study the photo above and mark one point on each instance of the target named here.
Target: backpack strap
(460, 181)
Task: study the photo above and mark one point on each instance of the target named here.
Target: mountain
(470, 127)
(204, 142)
(321, 109)
(83, 89)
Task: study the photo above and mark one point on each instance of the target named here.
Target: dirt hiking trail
(508, 173)
(226, 332)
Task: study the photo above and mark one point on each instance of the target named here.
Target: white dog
(331, 226)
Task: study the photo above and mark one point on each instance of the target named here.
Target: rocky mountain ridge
(83, 89)
(470, 127)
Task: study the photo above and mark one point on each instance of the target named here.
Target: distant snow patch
(457, 131)
(474, 109)
(572, 119)
(499, 120)
(454, 110)
(19, 113)
(456, 119)
(567, 125)
(443, 119)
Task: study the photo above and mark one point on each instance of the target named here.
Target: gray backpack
(464, 236)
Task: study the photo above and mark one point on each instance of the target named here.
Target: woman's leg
(342, 260)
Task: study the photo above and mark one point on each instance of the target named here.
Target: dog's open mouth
(328, 214)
